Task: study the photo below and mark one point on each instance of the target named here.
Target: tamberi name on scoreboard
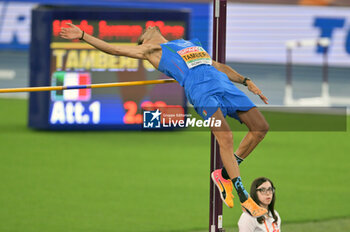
(89, 59)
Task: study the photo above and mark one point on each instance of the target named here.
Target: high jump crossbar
(91, 86)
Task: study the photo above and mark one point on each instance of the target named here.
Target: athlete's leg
(224, 137)
(258, 127)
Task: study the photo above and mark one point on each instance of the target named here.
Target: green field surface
(341, 224)
(159, 181)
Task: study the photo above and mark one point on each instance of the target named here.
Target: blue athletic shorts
(208, 89)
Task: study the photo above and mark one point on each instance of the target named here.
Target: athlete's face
(147, 34)
(265, 193)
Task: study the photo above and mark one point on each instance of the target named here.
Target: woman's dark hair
(253, 193)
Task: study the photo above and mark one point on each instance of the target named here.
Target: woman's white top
(247, 223)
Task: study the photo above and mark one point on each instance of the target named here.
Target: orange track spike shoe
(253, 209)
(224, 186)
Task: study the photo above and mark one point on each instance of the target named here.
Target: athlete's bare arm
(144, 51)
(230, 72)
(238, 78)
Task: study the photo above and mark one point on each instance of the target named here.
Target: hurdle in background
(324, 100)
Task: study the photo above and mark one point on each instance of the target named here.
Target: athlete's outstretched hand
(254, 89)
(71, 32)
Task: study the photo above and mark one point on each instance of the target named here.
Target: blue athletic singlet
(206, 88)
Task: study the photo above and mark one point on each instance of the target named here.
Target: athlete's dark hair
(253, 193)
(141, 39)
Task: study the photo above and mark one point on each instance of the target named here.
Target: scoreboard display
(58, 62)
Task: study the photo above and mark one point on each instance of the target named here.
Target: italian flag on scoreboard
(62, 78)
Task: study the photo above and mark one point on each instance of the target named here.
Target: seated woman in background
(262, 192)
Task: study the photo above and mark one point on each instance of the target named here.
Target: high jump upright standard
(219, 55)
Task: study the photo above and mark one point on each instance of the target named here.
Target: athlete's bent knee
(260, 133)
(265, 127)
